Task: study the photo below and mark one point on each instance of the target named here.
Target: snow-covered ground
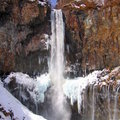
(11, 108)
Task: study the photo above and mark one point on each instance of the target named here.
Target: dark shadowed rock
(24, 25)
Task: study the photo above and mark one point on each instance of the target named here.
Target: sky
(53, 2)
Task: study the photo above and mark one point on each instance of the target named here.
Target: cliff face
(24, 25)
(92, 33)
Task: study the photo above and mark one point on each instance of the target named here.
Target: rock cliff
(92, 33)
(24, 29)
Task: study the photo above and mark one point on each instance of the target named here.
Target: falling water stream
(60, 108)
(57, 47)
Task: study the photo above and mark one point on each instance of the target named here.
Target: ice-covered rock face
(74, 88)
(29, 91)
(36, 88)
(94, 97)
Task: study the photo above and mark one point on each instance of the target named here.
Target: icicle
(115, 105)
(20, 92)
(79, 100)
(93, 104)
(39, 60)
(83, 100)
(71, 100)
(109, 109)
(68, 49)
(36, 107)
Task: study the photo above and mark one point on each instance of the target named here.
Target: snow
(8, 102)
(76, 6)
(42, 3)
(3, 117)
(21, 78)
(105, 77)
(83, 5)
(36, 87)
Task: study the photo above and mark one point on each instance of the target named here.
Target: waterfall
(56, 70)
(57, 47)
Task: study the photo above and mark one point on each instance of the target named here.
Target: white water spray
(60, 108)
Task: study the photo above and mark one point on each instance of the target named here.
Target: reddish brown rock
(37, 42)
(29, 11)
(92, 32)
(7, 61)
(23, 24)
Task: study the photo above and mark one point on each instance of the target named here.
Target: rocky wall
(92, 33)
(24, 31)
